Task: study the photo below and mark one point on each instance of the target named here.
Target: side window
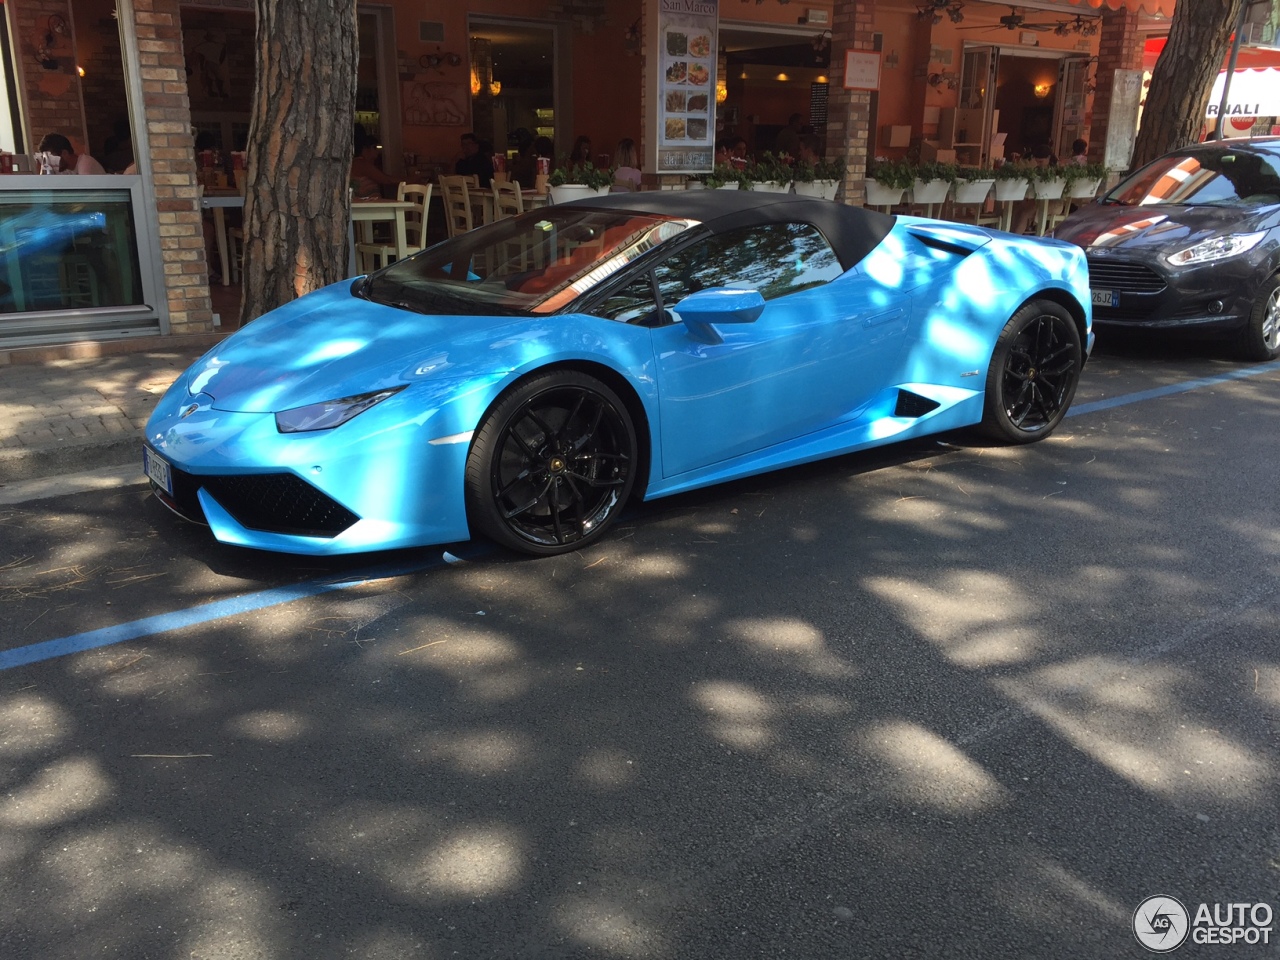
(634, 303)
(775, 259)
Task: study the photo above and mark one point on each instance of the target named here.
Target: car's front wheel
(1260, 339)
(1033, 374)
(552, 464)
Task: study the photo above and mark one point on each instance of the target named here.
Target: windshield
(534, 263)
(1203, 177)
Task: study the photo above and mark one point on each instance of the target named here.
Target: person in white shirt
(72, 162)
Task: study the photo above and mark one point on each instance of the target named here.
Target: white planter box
(573, 191)
(729, 186)
(1050, 189)
(1011, 189)
(1087, 189)
(935, 191)
(972, 191)
(771, 186)
(823, 189)
(878, 195)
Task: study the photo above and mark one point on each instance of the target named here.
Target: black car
(1190, 243)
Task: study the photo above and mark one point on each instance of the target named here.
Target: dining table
(482, 197)
(219, 202)
(368, 212)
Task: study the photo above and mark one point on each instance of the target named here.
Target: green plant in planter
(721, 175)
(1014, 171)
(769, 169)
(581, 173)
(826, 169)
(973, 174)
(894, 174)
(930, 170)
(1045, 174)
(804, 172)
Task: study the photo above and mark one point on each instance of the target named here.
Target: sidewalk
(62, 412)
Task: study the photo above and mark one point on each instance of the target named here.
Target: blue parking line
(248, 603)
(1173, 388)
(192, 616)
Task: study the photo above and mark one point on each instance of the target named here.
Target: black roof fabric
(853, 232)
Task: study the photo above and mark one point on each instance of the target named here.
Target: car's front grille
(272, 502)
(1123, 277)
(279, 503)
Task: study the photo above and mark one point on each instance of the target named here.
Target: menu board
(687, 85)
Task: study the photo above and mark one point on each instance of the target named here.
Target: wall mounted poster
(687, 85)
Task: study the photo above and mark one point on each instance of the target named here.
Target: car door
(813, 358)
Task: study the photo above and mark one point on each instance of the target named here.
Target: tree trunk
(297, 204)
(1183, 77)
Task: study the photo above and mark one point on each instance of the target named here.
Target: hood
(1157, 228)
(330, 344)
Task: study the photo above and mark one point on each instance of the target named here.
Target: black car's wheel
(1033, 375)
(552, 464)
(1260, 339)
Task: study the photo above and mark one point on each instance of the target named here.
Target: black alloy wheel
(1034, 371)
(552, 464)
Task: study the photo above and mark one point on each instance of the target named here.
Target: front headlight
(329, 413)
(1218, 248)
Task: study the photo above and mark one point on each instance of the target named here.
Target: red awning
(1249, 58)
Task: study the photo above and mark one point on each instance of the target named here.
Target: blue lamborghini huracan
(522, 380)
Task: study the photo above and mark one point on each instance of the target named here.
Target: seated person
(367, 178)
(71, 162)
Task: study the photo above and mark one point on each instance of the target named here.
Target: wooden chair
(508, 201)
(374, 255)
(457, 205)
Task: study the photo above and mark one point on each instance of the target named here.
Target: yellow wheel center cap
(556, 465)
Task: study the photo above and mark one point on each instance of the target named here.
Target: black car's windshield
(535, 263)
(1194, 177)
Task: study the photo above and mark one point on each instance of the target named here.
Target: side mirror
(699, 311)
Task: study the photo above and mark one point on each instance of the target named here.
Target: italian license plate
(1105, 298)
(157, 469)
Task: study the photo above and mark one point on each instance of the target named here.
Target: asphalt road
(944, 700)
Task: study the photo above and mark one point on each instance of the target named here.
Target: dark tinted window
(1221, 177)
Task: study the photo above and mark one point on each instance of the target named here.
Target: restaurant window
(10, 113)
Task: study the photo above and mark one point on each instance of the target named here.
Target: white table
(219, 203)
(367, 213)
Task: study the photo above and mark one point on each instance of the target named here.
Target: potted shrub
(1047, 183)
(580, 180)
(1012, 181)
(722, 177)
(821, 179)
(1083, 181)
(932, 182)
(886, 181)
(973, 184)
(771, 174)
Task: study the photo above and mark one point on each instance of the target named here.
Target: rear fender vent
(913, 405)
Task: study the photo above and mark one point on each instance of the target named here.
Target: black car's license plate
(1106, 298)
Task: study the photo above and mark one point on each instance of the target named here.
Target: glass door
(975, 113)
(1069, 121)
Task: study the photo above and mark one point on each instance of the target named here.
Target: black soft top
(853, 232)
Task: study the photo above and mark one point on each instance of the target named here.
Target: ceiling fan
(1013, 20)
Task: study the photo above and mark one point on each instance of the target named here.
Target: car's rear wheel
(1033, 374)
(552, 464)
(1260, 339)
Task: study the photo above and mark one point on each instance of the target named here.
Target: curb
(37, 463)
(95, 349)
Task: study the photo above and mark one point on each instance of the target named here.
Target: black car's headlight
(329, 413)
(1218, 248)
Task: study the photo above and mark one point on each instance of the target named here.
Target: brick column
(165, 135)
(1119, 48)
(849, 111)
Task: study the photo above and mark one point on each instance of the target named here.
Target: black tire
(551, 465)
(1033, 374)
(1260, 339)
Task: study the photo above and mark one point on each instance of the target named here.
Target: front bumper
(1213, 298)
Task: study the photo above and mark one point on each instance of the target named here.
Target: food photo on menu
(677, 72)
(698, 74)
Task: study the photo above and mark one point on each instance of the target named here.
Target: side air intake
(913, 405)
